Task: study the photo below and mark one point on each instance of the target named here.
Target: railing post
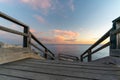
(115, 39)
(89, 56)
(29, 40)
(25, 38)
(81, 58)
(46, 51)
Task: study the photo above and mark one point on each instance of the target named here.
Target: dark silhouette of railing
(112, 33)
(67, 57)
(27, 35)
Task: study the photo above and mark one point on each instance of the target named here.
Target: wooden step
(70, 63)
(36, 70)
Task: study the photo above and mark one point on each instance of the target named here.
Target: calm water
(76, 50)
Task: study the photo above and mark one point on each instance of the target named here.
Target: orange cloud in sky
(65, 33)
(32, 31)
(61, 37)
(66, 37)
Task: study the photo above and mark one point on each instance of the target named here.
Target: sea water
(76, 50)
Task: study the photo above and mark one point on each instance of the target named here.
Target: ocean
(76, 50)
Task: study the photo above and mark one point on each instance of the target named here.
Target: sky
(61, 21)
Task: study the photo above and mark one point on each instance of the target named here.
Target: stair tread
(36, 69)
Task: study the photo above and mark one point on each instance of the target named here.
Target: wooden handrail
(12, 31)
(98, 49)
(89, 51)
(27, 35)
(68, 56)
(105, 36)
(12, 19)
(33, 37)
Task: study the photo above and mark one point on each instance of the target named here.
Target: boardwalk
(33, 69)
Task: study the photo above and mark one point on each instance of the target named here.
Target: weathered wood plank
(12, 19)
(68, 66)
(67, 63)
(12, 31)
(6, 77)
(58, 68)
(48, 71)
(39, 75)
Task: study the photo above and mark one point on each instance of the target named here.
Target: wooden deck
(33, 69)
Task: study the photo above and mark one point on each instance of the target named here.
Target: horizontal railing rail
(46, 49)
(88, 53)
(66, 56)
(12, 31)
(27, 35)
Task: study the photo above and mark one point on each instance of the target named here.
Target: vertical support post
(46, 51)
(29, 40)
(115, 39)
(81, 58)
(89, 56)
(25, 38)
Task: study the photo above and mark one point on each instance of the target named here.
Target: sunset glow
(62, 21)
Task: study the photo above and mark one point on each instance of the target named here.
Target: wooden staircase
(34, 69)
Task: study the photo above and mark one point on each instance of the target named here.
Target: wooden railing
(112, 33)
(27, 35)
(67, 57)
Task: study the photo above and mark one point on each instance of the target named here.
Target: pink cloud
(65, 33)
(66, 36)
(61, 37)
(44, 5)
(53, 40)
(32, 31)
(40, 19)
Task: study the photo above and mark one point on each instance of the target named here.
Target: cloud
(4, 0)
(70, 40)
(65, 33)
(71, 5)
(32, 31)
(40, 19)
(53, 40)
(44, 5)
(60, 37)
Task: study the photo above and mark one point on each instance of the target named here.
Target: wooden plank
(12, 31)
(39, 75)
(52, 68)
(98, 49)
(68, 63)
(36, 72)
(12, 19)
(6, 77)
(70, 66)
(46, 71)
